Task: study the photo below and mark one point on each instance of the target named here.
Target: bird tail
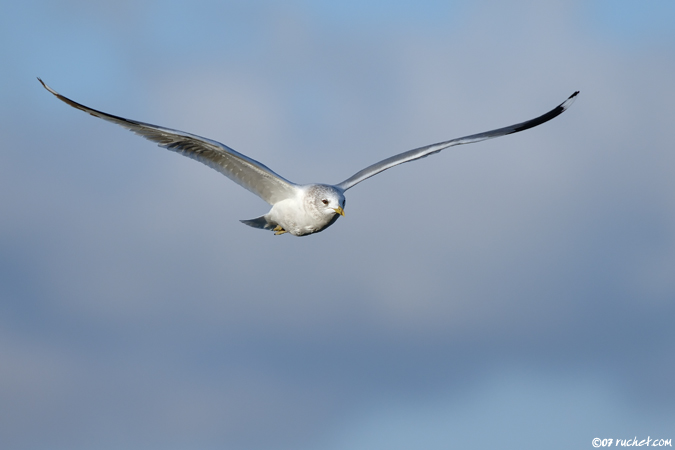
(260, 222)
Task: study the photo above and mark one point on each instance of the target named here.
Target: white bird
(296, 209)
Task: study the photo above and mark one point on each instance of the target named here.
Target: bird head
(327, 200)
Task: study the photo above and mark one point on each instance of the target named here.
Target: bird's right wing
(421, 152)
(241, 169)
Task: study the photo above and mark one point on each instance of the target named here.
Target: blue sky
(515, 293)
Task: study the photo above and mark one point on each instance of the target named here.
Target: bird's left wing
(421, 152)
(241, 169)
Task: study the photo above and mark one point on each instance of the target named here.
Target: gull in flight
(296, 209)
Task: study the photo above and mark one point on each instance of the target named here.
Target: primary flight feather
(296, 209)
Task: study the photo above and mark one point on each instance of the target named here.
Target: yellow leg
(278, 230)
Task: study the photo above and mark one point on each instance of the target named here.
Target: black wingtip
(555, 112)
(567, 103)
(44, 85)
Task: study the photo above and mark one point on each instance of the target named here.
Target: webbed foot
(279, 230)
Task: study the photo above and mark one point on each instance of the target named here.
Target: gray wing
(246, 172)
(421, 152)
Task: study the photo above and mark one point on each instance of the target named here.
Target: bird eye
(325, 202)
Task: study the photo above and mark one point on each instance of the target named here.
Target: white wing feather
(241, 169)
(421, 152)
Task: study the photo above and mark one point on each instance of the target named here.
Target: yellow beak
(340, 211)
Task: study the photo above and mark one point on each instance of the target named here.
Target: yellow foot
(278, 230)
